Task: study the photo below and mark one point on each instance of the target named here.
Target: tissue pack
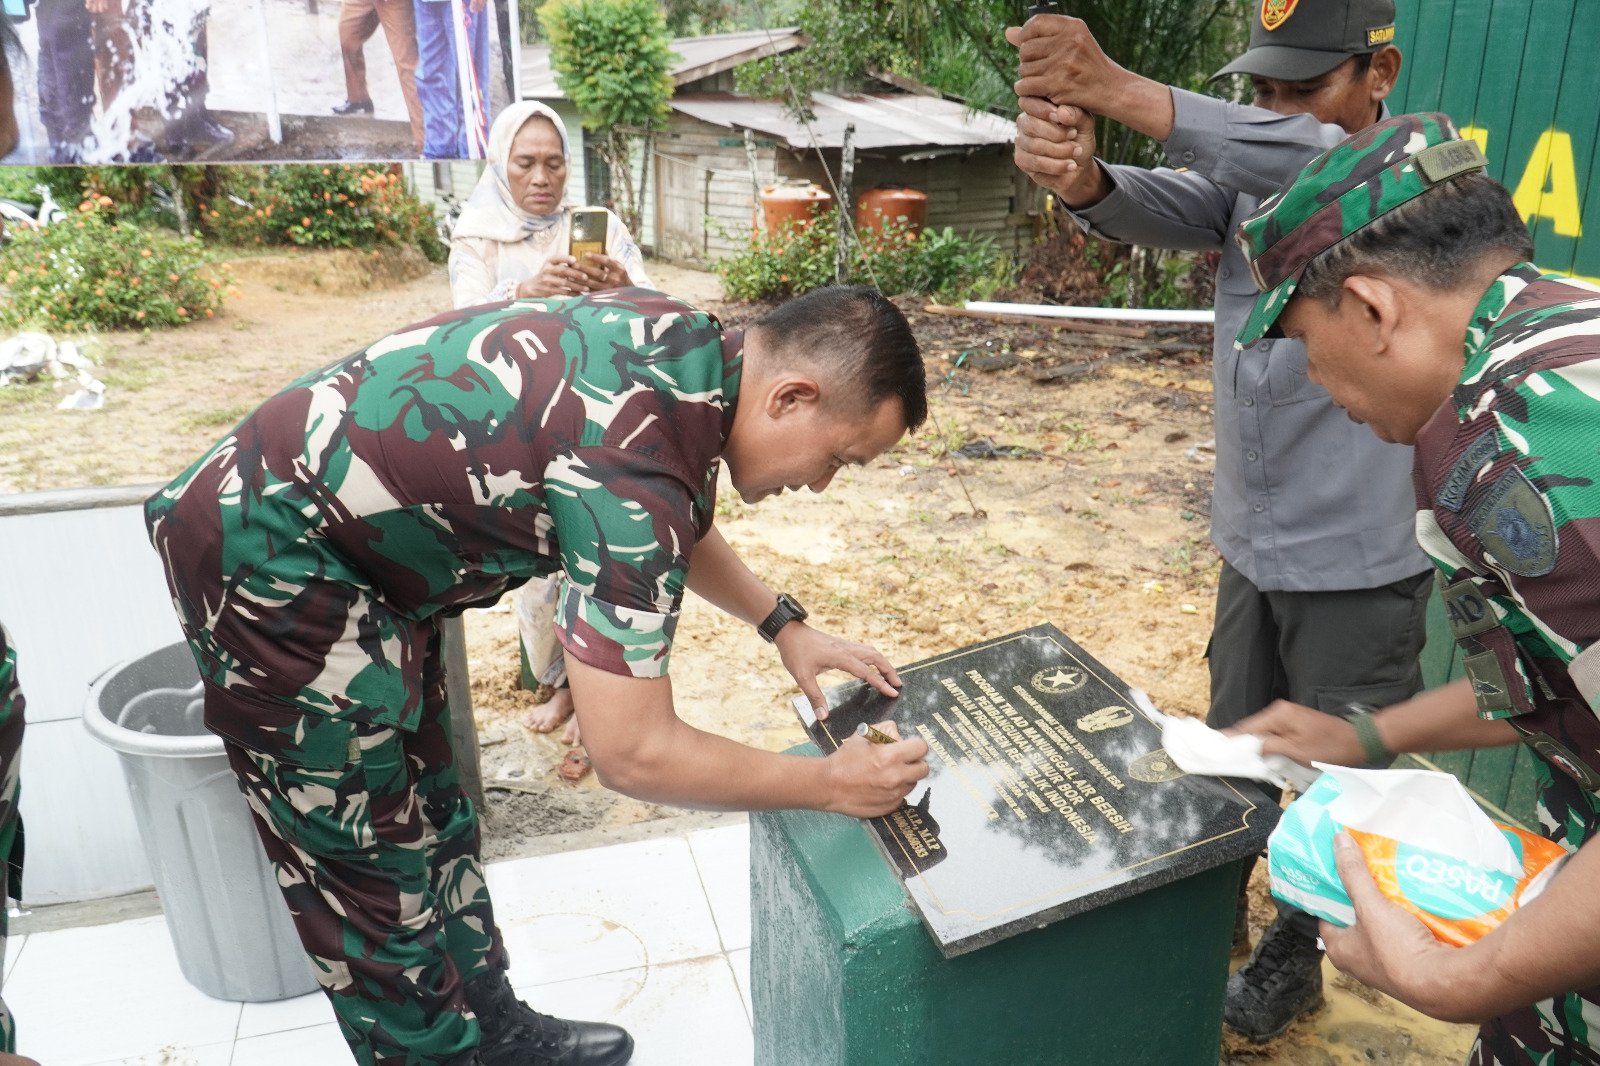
(1458, 899)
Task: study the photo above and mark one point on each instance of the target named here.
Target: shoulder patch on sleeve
(1514, 524)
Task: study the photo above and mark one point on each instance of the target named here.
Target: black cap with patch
(1296, 40)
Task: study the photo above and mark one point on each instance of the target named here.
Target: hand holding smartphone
(588, 232)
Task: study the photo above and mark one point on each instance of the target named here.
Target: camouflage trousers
(1554, 1032)
(1564, 1031)
(375, 847)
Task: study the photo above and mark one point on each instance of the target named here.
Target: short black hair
(1436, 240)
(854, 331)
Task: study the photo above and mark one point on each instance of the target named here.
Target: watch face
(785, 612)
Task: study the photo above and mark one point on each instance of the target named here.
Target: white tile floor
(653, 935)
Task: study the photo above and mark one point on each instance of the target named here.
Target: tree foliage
(612, 59)
(684, 18)
(959, 47)
(696, 18)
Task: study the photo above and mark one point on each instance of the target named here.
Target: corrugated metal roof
(698, 57)
(705, 56)
(882, 120)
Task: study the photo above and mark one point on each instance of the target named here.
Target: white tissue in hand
(1199, 749)
(1423, 808)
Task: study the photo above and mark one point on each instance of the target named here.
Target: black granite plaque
(1048, 792)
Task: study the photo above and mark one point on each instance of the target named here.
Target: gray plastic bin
(228, 922)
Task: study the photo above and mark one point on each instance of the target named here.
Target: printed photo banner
(146, 81)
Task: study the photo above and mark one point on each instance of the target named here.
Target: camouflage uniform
(1510, 514)
(311, 551)
(11, 727)
(1508, 506)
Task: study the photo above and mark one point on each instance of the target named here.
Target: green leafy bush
(796, 259)
(339, 206)
(934, 262)
(309, 205)
(1148, 277)
(16, 183)
(92, 272)
(801, 257)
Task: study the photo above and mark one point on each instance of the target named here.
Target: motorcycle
(20, 215)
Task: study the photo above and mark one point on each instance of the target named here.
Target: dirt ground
(1062, 477)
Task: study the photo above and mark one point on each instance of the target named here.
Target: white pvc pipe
(1113, 314)
(274, 119)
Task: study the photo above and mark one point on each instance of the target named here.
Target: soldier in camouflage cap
(313, 549)
(1339, 193)
(1405, 270)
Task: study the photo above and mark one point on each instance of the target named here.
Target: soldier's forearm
(1549, 947)
(1441, 719)
(719, 576)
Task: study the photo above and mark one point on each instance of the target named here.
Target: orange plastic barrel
(792, 202)
(895, 203)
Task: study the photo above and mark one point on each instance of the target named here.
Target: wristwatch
(787, 611)
(1359, 715)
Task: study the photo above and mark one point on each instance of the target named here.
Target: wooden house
(702, 191)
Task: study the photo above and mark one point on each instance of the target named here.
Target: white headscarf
(491, 211)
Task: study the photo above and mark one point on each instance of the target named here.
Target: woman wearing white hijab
(510, 243)
(511, 239)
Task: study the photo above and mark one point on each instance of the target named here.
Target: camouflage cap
(1297, 40)
(1345, 188)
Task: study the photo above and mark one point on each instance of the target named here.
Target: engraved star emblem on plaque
(1058, 680)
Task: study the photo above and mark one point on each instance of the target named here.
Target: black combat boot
(514, 1034)
(1281, 982)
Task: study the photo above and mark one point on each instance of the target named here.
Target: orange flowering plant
(90, 271)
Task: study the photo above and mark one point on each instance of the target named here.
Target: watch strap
(1359, 715)
(785, 612)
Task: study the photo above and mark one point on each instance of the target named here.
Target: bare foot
(546, 716)
(570, 736)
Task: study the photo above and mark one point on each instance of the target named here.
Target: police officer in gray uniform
(1322, 591)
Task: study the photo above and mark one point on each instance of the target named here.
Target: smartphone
(588, 231)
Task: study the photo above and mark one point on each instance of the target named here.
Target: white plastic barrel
(228, 921)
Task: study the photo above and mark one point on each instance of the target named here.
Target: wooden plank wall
(722, 192)
(1519, 77)
(972, 194)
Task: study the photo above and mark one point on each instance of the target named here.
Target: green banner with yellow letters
(1520, 78)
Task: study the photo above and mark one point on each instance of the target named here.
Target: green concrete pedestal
(844, 973)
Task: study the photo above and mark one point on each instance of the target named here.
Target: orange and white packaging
(1428, 845)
